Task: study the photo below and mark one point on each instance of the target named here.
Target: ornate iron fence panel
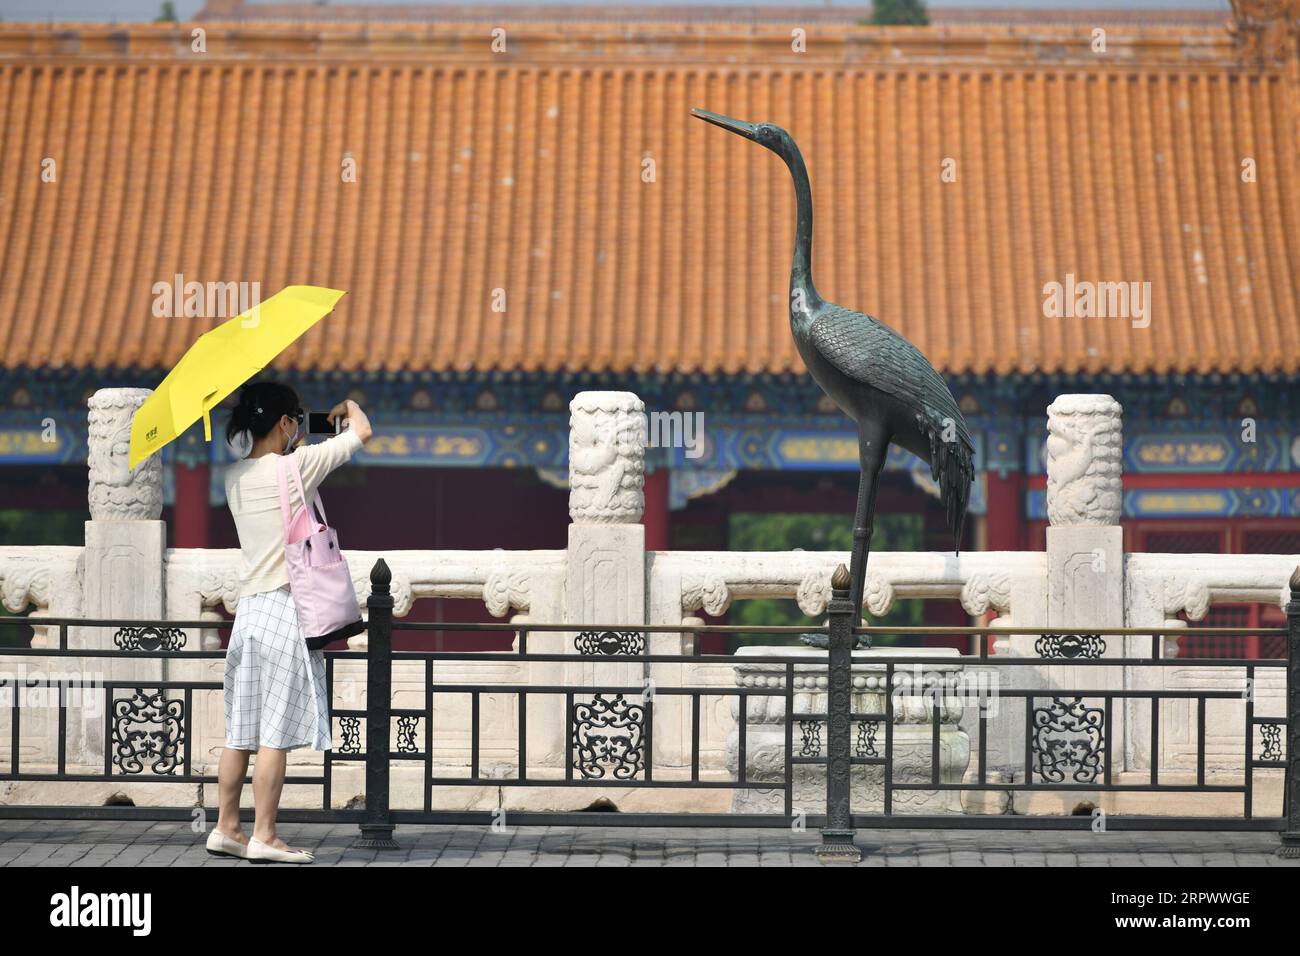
(72, 718)
(608, 738)
(148, 732)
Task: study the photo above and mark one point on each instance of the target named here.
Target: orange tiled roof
(524, 172)
(479, 11)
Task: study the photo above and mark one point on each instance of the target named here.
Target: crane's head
(765, 134)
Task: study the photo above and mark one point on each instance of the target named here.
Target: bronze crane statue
(876, 376)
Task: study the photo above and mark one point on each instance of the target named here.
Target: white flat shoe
(259, 852)
(221, 845)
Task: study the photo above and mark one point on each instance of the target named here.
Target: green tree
(167, 14)
(899, 13)
(24, 528)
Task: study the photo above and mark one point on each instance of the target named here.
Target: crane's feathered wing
(868, 351)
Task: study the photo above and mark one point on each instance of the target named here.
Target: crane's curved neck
(801, 268)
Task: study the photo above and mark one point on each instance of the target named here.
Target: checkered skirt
(275, 689)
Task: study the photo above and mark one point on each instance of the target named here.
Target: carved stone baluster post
(126, 543)
(837, 844)
(1291, 786)
(1085, 543)
(604, 575)
(1085, 549)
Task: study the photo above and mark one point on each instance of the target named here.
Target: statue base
(916, 690)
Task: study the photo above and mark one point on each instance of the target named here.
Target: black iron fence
(873, 740)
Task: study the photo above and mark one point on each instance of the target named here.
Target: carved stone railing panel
(203, 580)
(1158, 587)
(711, 580)
(1170, 583)
(42, 577)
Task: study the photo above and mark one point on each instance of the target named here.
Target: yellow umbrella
(222, 360)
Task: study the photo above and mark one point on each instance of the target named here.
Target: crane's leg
(873, 443)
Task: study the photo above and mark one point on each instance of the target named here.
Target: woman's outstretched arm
(317, 461)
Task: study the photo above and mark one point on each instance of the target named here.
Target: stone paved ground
(99, 843)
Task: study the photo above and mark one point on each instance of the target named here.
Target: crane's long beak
(739, 127)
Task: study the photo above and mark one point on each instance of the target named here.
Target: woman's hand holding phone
(352, 417)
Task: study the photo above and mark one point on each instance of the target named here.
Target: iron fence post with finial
(1291, 785)
(377, 824)
(837, 844)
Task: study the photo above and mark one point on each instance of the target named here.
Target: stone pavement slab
(133, 843)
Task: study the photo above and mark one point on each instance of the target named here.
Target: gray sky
(46, 10)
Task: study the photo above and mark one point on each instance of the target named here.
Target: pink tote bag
(318, 573)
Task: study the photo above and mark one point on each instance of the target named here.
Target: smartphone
(318, 423)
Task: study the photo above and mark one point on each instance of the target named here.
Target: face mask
(292, 438)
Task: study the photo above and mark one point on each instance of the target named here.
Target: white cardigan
(253, 494)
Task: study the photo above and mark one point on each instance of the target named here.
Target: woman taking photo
(276, 698)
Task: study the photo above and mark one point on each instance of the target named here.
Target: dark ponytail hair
(261, 404)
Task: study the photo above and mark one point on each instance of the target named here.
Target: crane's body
(876, 376)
